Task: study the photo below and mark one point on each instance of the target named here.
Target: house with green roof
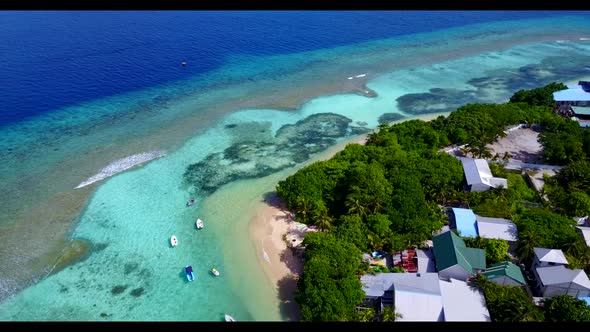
(505, 274)
(454, 259)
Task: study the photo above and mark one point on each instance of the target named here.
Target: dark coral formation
(390, 117)
(137, 292)
(498, 85)
(256, 153)
(119, 289)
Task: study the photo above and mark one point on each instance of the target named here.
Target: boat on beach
(229, 318)
(199, 223)
(214, 271)
(173, 241)
(190, 275)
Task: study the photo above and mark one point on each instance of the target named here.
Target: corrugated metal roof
(463, 303)
(581, 110)
(574, 93)
(449, 249)
(418, 307)
(477, 171)
(376, 285)
(585, 231)
(425, 261)
(465, 222)
(555, 275)
(496, 228)
(505, 269)
(550, 255)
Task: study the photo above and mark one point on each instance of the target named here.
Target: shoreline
(272, 226)
(58, 206)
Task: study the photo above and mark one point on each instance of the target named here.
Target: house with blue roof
(469, 224)
(574, 102)
(464, 221)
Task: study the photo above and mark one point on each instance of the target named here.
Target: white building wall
(568, 288)
(456, 272)
(479, 187)
(505, 281)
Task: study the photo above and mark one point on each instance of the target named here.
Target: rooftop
(463, 303)
(417, 295)
(496, 228)
(550, 255)
(449, 249)
(572, 93)
(477, 171)
(555, 275)
(465, 222)
(423, 283)
(505, 269)
(585, 231)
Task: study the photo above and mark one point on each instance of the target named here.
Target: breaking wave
(122, 164)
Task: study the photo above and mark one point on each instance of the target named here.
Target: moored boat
(173, 241)
(190, 276)
(199, 223)
(214, 271)
(229, 318)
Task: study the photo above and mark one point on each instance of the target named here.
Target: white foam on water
(121, 165)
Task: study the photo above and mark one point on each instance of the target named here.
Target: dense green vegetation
(508, 303)
(387, 195)
(564, 308)
(496, 249)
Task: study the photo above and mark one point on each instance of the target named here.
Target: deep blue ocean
(53, 59)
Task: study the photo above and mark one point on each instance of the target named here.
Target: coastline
(272, 226)
(58, 206)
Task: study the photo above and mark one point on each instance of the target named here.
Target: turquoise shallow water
(132, 273)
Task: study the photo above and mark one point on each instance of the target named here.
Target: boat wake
(357, 76)
(122, 164)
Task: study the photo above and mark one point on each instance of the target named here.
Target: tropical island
(432, 215)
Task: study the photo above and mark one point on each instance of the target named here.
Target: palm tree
(480, 281)
(375, 242)
(479, 149)
(303, 208)
(366, 315)
(322, 219)
(355, 205)
(389, 314)
(527, 241)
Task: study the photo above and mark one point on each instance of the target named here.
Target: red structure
(407, 260)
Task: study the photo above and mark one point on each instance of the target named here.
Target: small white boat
(229, 318)
(214, 271)
(199, 223)
(174, 241)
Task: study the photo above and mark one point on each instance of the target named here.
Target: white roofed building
(585, 233)
(548, 257)
(478, 175)
(496, 228)
(559, 280)
(416, 296)
(463, 303)
(553, 278)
